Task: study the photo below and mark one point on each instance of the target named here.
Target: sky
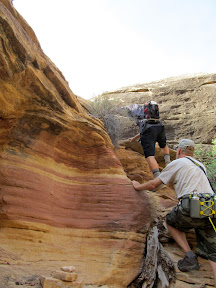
(103, 45)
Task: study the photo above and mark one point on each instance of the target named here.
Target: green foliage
(106, 108)
(208, 157)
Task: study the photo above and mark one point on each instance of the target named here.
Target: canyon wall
(64, 196)
(187, 106)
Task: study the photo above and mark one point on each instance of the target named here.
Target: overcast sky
(103, 45)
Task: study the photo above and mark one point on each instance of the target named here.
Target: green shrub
(207, 155)
(106, 108)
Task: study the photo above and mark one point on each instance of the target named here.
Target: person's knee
(150, 158)
(165, 150)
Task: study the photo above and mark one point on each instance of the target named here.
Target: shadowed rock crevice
(16, 46)
(61, 88)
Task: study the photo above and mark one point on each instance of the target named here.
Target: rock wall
(64, 196)
(187, 106)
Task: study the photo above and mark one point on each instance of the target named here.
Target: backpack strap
(196, 164)
(201, 169)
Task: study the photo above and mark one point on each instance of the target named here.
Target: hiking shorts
(149, 138)
(205, 234)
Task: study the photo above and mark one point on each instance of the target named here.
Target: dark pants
(153, 134)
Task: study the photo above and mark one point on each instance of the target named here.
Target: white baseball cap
(184, 143)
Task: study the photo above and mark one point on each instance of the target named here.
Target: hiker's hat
(153, 102)
(184, 143)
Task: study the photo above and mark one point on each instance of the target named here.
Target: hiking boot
(188, 264)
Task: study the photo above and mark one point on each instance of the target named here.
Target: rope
(212, 224)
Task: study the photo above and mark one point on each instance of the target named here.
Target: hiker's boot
(187, 264)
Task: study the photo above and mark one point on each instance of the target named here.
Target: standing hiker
(151, 130)
(191, 184)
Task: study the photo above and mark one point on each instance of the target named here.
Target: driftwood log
(158, 269)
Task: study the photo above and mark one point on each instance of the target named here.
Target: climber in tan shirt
(188, 178)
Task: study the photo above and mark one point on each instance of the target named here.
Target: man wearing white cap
(189, 178)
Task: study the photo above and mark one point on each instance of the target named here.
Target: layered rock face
(65, 198)
(64, 195)
(187, 106)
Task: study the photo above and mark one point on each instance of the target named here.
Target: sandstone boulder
(64, 196)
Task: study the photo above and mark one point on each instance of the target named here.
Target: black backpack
(151, 110)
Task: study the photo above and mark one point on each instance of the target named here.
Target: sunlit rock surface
(64, 196)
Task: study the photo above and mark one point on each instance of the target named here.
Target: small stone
(68, 268)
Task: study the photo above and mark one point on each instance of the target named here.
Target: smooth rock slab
(65, 276)
(49, 282)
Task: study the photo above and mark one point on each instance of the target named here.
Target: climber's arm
(150, 185)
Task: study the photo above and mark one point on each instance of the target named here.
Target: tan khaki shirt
(186, 177)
